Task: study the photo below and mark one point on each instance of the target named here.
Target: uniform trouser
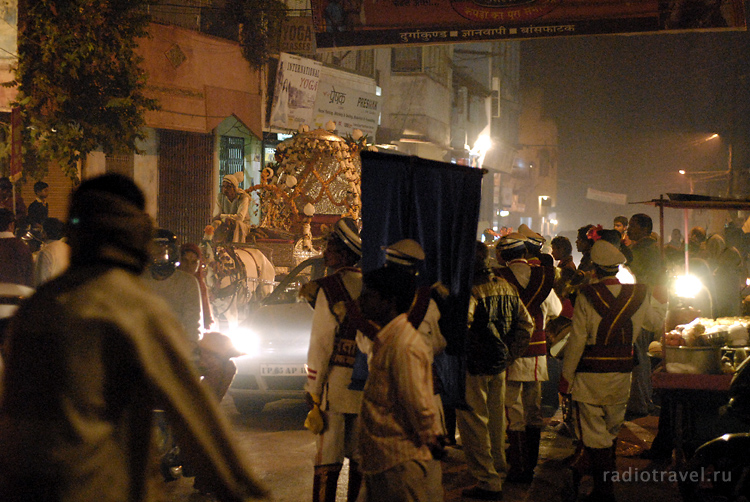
(523, 404)
(598, 425)
(483, 429)
(411, 481)
(339, 440)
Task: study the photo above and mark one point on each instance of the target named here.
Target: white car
(275, 339)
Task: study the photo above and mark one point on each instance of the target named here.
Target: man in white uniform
(54, 256)
(330, 360)
(598, 361)
(523, 394)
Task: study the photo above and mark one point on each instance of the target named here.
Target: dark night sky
(632, 110)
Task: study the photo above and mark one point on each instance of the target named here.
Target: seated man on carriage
(233, 207)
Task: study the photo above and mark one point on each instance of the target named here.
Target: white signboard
(296, 88)
(608, 197)
(349, 108)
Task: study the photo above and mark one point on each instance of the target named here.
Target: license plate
(283, 370)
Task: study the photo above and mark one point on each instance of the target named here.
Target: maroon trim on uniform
(344, 341)
(533, 295)
(613, 350)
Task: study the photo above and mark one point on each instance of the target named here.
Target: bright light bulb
(687, 286)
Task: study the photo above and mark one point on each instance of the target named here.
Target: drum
(558, 332)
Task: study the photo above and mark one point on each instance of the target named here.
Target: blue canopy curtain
(436, 204)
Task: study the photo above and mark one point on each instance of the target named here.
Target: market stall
(700, 355)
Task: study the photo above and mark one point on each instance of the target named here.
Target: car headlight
(245, 340)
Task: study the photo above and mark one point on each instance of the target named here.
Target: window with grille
(406, 59)
(231, 155)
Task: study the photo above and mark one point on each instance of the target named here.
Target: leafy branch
(79, 80)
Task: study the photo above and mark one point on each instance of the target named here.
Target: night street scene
(374, 250)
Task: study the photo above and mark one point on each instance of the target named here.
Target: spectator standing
(647, 268)
(179, 289)
(583, 246)
(39, 209)
(89, 356)
(621, 225)
(399, 427)
(330, 360)
(16, 263)
(523, 402)
(499, 332)
(6, 198)
(191, 261)
(54, 256)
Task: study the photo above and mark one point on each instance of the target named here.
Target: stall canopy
(436, 204)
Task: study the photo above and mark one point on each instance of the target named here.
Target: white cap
(532, 236)
(606, 255)
(405, 252)
(346, 231)
(234, 179)
(513, 240)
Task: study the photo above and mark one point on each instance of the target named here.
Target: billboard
(358, 23)
(348, 107)
(306, 92)
(8, 51)
(295, 91)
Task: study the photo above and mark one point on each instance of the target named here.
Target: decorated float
(314, 181)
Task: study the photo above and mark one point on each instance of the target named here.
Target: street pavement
(553, 483)
(282, 451)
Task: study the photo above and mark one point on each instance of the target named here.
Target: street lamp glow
(687, 286)
(481, 146)
(681, 171)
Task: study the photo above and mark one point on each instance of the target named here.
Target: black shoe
(482, 494)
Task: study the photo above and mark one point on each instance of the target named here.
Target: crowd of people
(115, 329)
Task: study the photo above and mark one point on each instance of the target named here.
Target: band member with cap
(534, 243)
(598, 361)
(330, 360)
(523, 395)
(233, 205)
(423, 314)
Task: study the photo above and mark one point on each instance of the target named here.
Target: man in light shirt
(178, 288)
(399, 428)
(54, 256)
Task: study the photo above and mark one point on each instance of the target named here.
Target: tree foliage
(79, 80)
(260, 21)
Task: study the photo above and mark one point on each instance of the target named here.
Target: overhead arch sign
(359, 23)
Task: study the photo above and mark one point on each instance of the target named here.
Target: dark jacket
(500, 327)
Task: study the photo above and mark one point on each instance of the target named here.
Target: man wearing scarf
(233, 205)
(90, 356)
